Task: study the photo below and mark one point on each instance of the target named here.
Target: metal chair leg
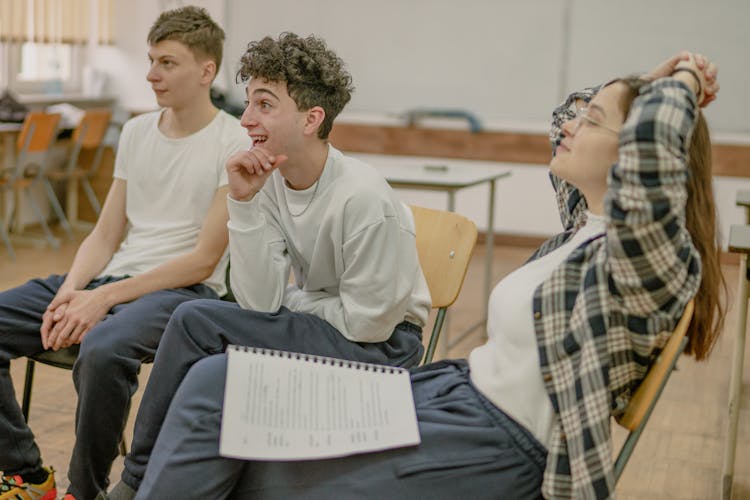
(91, 196)
(58, 209)
(26, 404)
(54, 243)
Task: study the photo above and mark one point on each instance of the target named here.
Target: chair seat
(64, 358)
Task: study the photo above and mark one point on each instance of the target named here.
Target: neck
(182, 121)
(595, 202)
(303, 169)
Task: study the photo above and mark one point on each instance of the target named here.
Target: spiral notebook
(287, 406)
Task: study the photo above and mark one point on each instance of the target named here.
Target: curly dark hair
(194, 28)
(314, 74)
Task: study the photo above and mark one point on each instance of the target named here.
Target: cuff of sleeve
(243, 215)
(669, 82)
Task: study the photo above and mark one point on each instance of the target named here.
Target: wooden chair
(643, 401)
(88, 138)
(38, 133)
(445, 242)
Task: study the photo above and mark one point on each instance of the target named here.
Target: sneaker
(14, 488)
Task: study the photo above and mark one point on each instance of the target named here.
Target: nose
(569, 127)
(247, 119)
(153, 74)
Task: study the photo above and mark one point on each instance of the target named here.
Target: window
(42, 42)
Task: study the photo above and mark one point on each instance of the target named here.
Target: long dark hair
(700, 221)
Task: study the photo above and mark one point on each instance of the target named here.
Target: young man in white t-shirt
(160, 241)
(296, 204)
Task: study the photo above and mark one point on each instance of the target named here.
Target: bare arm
(100, 245)
(85, 308)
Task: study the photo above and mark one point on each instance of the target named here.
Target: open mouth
(259, 139)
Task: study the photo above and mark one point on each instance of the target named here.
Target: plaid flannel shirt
(604, 314)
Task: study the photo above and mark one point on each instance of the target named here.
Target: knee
(98, 352)
(190, 313)
(204, 384)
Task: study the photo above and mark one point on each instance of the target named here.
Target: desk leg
(489, 248)
(735, 381)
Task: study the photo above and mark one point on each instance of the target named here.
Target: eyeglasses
(582, 115)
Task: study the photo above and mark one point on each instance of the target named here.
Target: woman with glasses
(571, 333)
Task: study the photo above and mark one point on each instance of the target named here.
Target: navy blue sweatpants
(203, 328)
(470, 449)
(105, 374)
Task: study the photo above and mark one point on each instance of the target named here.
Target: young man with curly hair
(295, 203)
(160, 241)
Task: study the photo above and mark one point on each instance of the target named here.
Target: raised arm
(652, 257)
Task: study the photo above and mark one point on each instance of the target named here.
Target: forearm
(259, 260)
(92, 256)
(651, 252)
(186, 270)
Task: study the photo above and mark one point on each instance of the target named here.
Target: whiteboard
(506, 61)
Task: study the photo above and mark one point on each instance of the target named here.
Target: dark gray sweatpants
(470, 449)
(204, 328)
(105, 374)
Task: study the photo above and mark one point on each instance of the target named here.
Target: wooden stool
(739, 241)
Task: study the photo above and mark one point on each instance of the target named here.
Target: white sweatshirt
(350, 242)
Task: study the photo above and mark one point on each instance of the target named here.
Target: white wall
(507, 61)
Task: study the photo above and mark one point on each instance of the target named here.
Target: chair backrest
(643, 401)
(38, 132)
(89, 135)
(90, 131)
(445, 242)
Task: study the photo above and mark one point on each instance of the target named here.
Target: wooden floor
(679, 455)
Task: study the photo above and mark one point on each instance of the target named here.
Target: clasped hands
(698, 66)
(70, 316)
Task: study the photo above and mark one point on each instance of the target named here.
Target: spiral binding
(324, 360)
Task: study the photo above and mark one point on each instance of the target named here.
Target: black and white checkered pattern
(604, 314)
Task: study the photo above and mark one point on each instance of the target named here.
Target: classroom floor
(679, 455)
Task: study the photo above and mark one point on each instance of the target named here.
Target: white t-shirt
(170, 186)
(506, 369)
(349, 241)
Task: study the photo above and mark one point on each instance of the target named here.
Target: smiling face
(590, 141)
(272, 118)
(175, 75)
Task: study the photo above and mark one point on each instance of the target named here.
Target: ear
(208, 71)
(314, 119)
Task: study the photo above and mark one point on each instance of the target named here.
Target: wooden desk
(449, 176)
(739, 242)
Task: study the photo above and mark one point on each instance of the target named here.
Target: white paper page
(284, 406)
